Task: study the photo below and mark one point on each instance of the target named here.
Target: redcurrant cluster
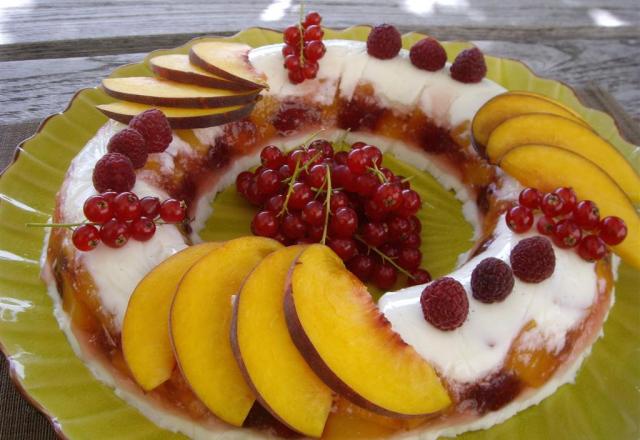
(567, 221)
(115, 218)
(303, 48)
(345, 199)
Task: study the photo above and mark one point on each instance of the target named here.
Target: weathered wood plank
(36, 88)
(91, 28)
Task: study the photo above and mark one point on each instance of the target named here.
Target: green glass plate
(604, 402)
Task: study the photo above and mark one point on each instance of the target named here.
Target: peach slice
(510, 104)
(177, 67)
(283, 382)
(348, 343)
(146, 344)
(123, 111)
(201, 322)
(561, 132)
(153, 91)
(228, 60)
(546, 168)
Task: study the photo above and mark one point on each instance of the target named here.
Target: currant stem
(379, 174)
(327, 203)
(340, 144)
(310, 138)
(384, 257)
(292, 180)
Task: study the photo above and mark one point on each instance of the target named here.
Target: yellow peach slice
(146, 344)
(201, 324)
(546, 168)
(345, 339)
(177, 67)
(510, 104)
(283, 382)
(564, 133)
(228, 60)
(124, 111)
(161, 92)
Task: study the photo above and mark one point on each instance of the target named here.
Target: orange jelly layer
(524, 366)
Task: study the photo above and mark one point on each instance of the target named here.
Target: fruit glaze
(503, 331)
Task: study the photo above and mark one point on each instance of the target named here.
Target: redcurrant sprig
(303, 47)
(568, 222)
(115, 218)
(333, 193)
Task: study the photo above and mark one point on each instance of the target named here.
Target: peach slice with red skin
(281, 379)
(345, 339)
(561, 132)
(146, 343)
(124, 111)
(228, 60)
(510, 104)
(200, 324)
(177, 67)
(547, 168)
(153, 91)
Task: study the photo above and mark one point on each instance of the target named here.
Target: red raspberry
(428, 54)
(533, 259)
(469, 66)
(445, 304)
(130, 143)
(384, 42)
(114, 171)
(154, 127)
(491, 280)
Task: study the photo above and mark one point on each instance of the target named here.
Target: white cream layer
(481, 344)
(116, 272)
(397, 83)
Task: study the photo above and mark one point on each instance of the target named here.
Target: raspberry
(428, 54)
(155, 128)
(533, 259)
(445, 304)
(384, 42)
(114, 171)
(491, 280)
(469, 66)
(130, 143)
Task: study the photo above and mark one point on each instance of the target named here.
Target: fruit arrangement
(303, 48)
(116, 214)
(346, 199)
(283, 315)
(213, 85)
(547, 146)
(569, 222)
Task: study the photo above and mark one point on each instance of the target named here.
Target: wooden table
(51, 48)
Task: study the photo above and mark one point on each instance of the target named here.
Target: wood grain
(37, 21)
(35, 88)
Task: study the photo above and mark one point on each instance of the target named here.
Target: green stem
(384, 256)
(310, 138)
(327, 203)
(379, 174)
(340, 144)
(294, 177)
